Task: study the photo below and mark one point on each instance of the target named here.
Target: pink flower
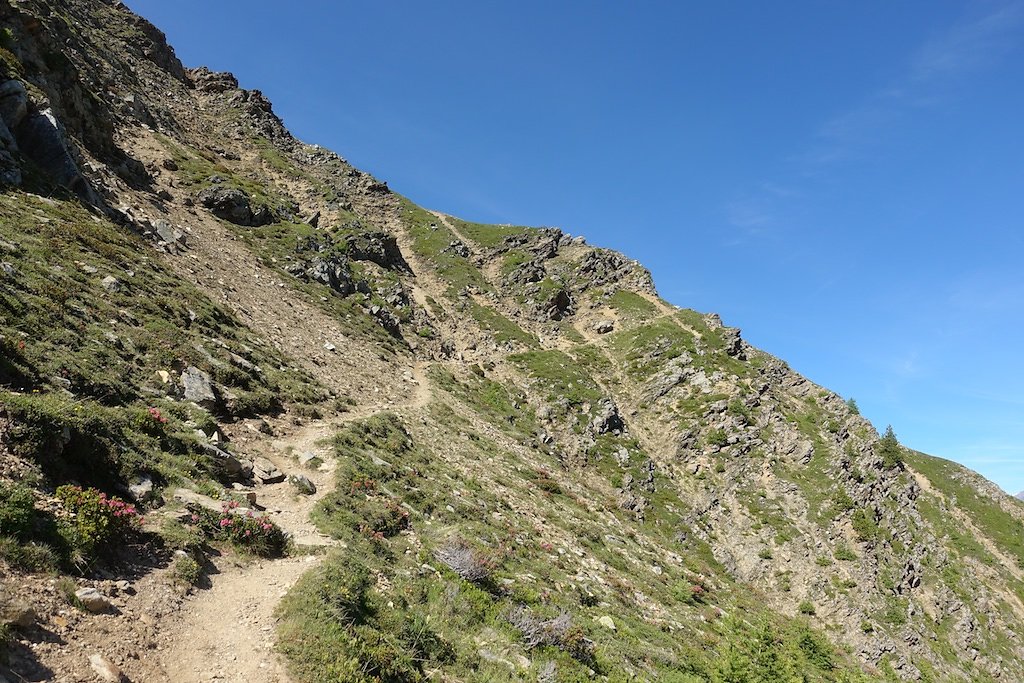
(225, 522)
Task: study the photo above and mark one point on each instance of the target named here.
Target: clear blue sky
(843, 180)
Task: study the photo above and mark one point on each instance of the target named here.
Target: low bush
(94, 523)
(186, 571)
(558, 631)
(256, 534)
(17, 510)
(469, 563)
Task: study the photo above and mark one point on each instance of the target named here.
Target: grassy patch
(488, 235)
(431, 241)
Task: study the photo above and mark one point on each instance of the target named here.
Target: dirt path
(227, 632)
(1008, 564)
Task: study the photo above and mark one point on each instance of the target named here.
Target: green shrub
(30, 557)
(253, 403)
(186, 571)
(845, 553)
(864, 525)
(333, 630)
(717, 437)
(17, 510)
(806, 607)
(93, 522)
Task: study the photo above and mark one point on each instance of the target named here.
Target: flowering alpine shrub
(93, 521)
(255, 533)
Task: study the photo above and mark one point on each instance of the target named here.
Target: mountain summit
(269, 420)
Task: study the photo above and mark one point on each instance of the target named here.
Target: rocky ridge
(640, 459)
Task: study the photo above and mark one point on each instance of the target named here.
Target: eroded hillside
(498, 453)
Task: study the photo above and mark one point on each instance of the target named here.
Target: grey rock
(302, 484)
(607, 419)
(333, 272)
(228, 466)
(92, 600)
(10, 171)
(379, 248)
(168, 234)
(13, 103)
(111, 284)
(266, 471)
(141, 490)
(604, 326)
(235, 206)
(456, 247)
(306, 458)
(8, 269)
(18, 614)
(198, 388)
(559, 305)
(42, 139)
(187, 497)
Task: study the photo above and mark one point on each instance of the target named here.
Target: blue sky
(842, 180)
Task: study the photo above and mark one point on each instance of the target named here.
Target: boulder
(234, 205)
(607, 419)
(111, 284)
(559, 305)
(227, 466)
(198, 388)
(170, 235)
(42, 139)
(13, 103)
(141, 490)
(302, 484)
(456, 247)
(379, 248)
(266, 471)
(604, 326)
(92, 600)
(306, 458)
(190, 498)
(334, 272)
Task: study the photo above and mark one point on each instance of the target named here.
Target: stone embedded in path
(306, 457)
(302, 484)
(92, 600)
(604, 326)
(105, 669)
(266, 471)
(188, 497)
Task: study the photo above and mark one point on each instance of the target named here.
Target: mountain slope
(538, 468)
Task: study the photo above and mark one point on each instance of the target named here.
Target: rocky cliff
(498, 453)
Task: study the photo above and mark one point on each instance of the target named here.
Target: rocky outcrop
(235, 206)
